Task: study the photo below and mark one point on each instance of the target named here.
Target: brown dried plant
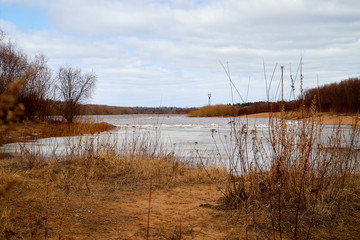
(10, 108)
(294, 180)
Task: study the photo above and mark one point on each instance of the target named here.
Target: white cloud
(151, 50)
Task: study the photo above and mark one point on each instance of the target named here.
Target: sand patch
(325, 118)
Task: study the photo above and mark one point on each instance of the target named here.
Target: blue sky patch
(30, 18)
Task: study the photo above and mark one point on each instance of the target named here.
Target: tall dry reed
(293, 180)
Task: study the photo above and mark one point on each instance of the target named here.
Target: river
(179, 134)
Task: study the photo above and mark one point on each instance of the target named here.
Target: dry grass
(305, 187)
(214, 111)
(34, 130)
(74, 198)
(323, 118)
(297, 183)
(104, 192)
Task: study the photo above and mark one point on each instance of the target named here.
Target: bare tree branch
(74, 87)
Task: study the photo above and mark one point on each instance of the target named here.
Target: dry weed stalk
(67, 184)
(149, 211)
(294, 181)
(304, 173)
(46, 204)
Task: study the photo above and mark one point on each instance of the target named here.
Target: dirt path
(184, 212)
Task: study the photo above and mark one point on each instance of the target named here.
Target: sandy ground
(187, 212)
(328, 119)
(183, 212)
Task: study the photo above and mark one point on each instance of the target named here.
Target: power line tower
(209, 96)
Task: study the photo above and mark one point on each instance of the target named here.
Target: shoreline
(28, 131)
(324, 118)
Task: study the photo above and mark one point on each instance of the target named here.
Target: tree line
(41, 86)
(343, 97)
(42, 92)
(261, 107)
(161, 110)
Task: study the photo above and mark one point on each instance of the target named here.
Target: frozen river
(170, 133)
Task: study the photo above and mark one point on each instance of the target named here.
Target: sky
(174, 53)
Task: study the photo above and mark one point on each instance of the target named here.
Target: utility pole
(209, 95)
(282, 84)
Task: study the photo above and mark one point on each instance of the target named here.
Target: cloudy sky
(170, 53)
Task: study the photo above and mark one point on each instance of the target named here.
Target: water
(179, 129)
(170, 131)
(184, 136)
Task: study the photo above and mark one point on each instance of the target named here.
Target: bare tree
(35, 95)
(37, 92)
(74, 87)
(13, 64)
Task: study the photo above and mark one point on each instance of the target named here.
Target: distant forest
(93, 109)
(161, 110)
(343, 97)
(111, 110)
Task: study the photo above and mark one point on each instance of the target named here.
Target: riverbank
(132, 198)
(324, 118)
(105, 196)
(132, 191)
(27, 130)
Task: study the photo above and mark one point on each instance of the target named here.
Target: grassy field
(303, 188)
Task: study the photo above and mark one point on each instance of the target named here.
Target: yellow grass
(108, 198)
(34, 130)
(324, 118)
(105, 196)
(213, 111)
(302, 186)
(106, 193)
